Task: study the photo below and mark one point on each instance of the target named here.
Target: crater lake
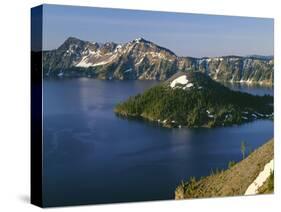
(92, 156)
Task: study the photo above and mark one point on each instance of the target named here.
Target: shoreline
(172, 125)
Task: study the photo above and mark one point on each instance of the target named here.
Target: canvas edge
(36, 21)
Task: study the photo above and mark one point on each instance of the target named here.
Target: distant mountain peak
(141, 39)
(71, 38)
(70, 41)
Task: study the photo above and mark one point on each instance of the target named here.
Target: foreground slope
(195, 100)
(233, 181)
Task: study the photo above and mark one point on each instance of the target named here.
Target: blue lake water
(92, 156)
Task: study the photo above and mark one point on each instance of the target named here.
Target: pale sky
(185, 34)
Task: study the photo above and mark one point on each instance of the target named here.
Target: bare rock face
(144, 60)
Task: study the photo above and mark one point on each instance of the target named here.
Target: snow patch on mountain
(128, 70)
(138, 40)
(188, 85)
(118, 48)
(180, 80)
(139, 62)
(85, 62)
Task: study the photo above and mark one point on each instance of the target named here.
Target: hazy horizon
(194, 35)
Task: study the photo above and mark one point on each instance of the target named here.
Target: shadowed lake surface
(92, 156)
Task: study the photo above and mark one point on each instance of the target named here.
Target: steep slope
(142, 59)
(239, 69)
(233, 181)
(195, 100)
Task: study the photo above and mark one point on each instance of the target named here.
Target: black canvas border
(36, 106)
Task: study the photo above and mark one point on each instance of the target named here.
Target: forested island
(195, 100)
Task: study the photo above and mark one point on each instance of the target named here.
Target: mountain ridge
(143, 59)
